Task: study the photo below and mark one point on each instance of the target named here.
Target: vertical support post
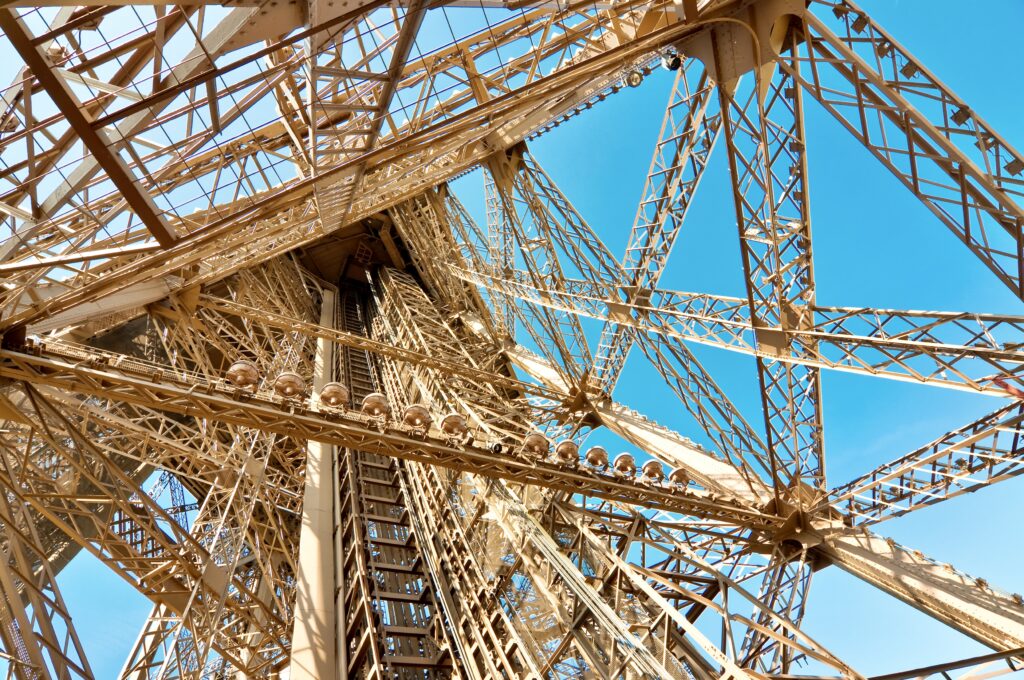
(313, 637)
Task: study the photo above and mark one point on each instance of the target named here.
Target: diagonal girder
(535, 229)
(688, 136)
(435, 146)
(967, 604)
(959, 350)
(660, 442)
(983, 452)
(931, 140)
(584, 251)
(763, 131)
(719, 418)
(784, 591)
(97, 505)
(37, 633)
(103, 149)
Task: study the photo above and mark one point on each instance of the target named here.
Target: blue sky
(874, 245)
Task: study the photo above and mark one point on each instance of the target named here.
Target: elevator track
(389, 615)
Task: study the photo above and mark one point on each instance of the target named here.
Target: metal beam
(161, 388)
(313, 636)
(103, 149)
(969, 605)
(984, 452)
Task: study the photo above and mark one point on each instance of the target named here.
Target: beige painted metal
(969, 604)
(660, 442)
(313, 635)
(265, 186)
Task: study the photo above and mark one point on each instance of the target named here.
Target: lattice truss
(259, 360)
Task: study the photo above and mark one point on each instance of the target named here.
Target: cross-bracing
(259, 361)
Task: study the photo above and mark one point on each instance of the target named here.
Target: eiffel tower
(260, 361)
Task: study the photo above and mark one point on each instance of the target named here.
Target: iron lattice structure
(259, 361)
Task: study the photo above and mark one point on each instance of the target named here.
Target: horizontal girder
(952, 349)
(190, 394)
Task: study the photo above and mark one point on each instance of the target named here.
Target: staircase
(390, 614)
